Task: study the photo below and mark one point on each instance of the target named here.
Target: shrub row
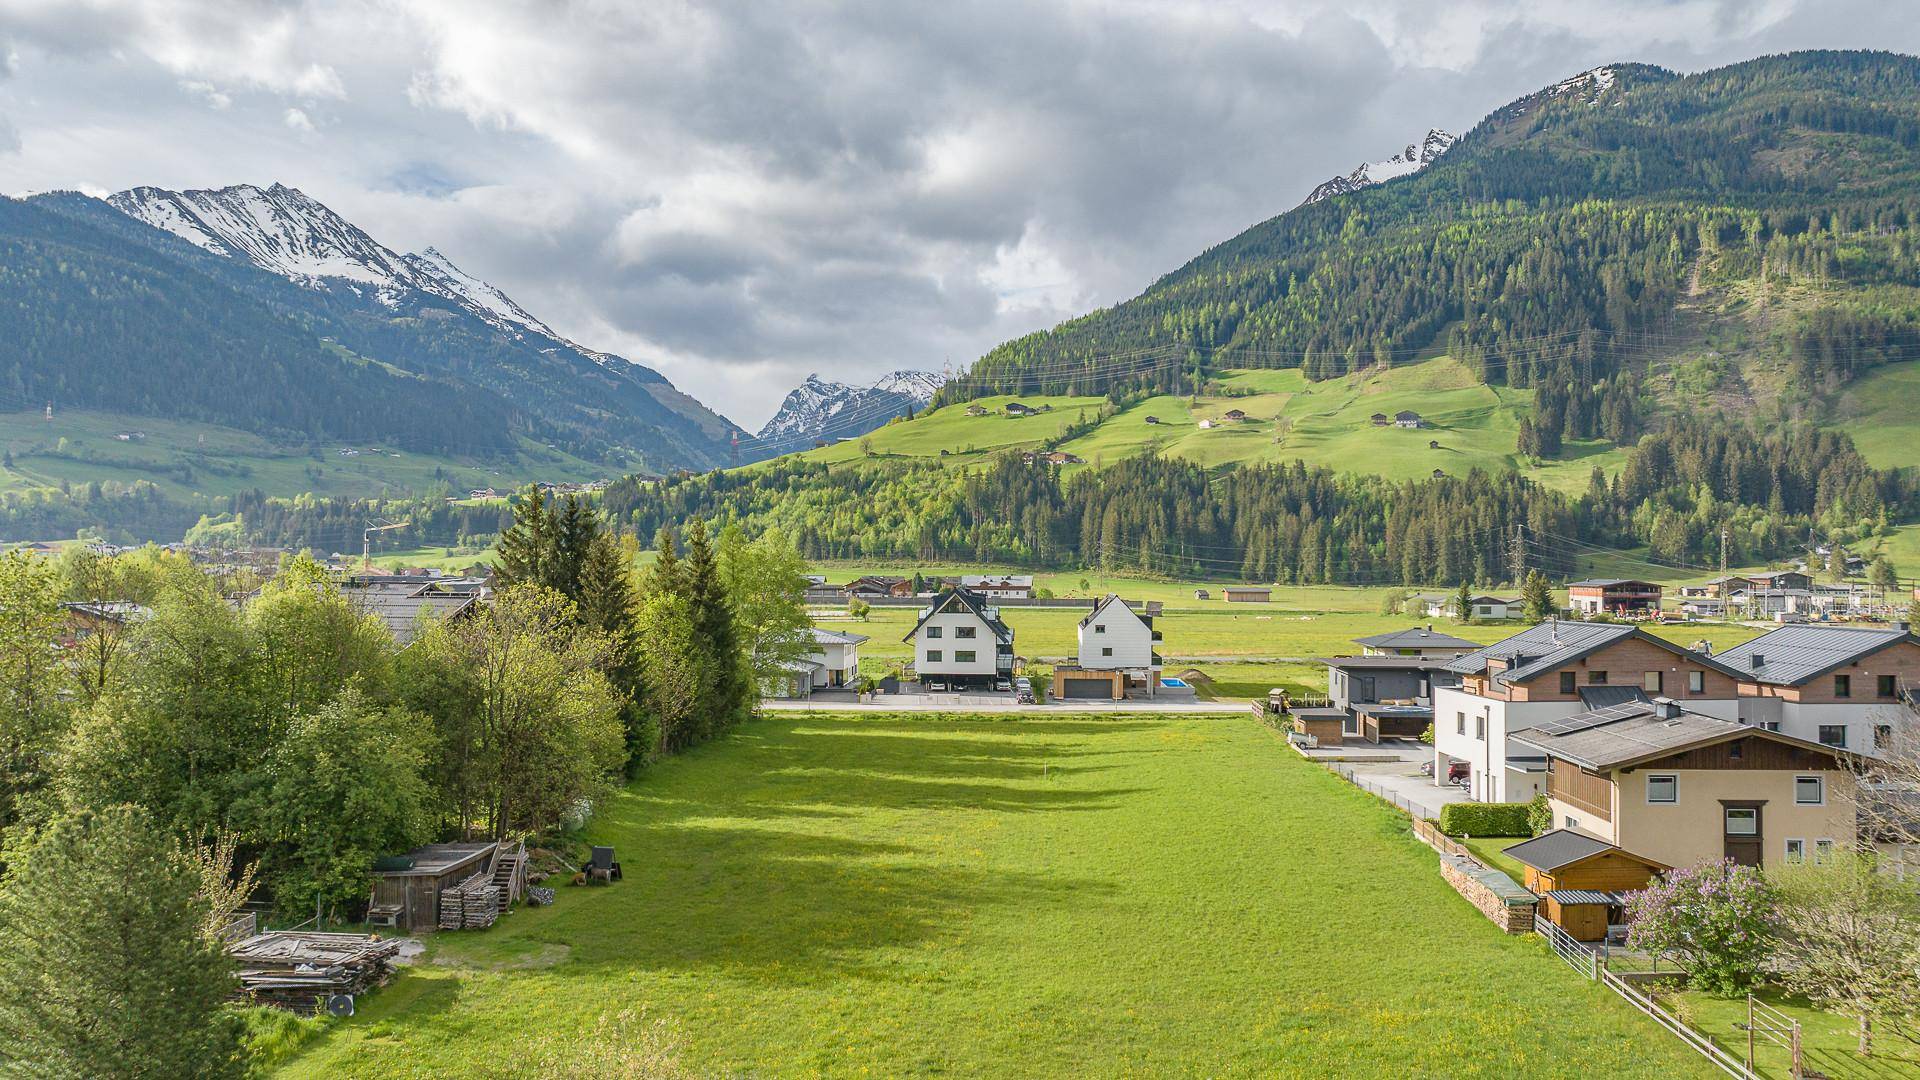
(1485, 819)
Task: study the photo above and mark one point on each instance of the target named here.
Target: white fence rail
(1726, 1062)
(1579, 956)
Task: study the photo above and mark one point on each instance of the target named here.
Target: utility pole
(366, 539)
(1723, 551)
(1517, 556)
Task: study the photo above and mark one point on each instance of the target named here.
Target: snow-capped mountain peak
(821, 409)
(1411, 159)
(285, 231)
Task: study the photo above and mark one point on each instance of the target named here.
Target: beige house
(1678, 787)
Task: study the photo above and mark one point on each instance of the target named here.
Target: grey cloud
(741, 193)
(9, 137)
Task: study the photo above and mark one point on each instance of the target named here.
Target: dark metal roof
(1600, 697)
(1561, 847)
(1610, 582)
(1384, 663)
(1416, 638)
(1792, 655)
(1114, 598)
(973, 602)
(1539, 649)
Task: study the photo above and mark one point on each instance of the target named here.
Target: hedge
(1484, 819)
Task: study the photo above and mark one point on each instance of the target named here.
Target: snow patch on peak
(918, 385)
(1591, 83)
(821, 410)
(1411, 159)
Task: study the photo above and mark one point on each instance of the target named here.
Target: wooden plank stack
(473, 904)
(299, 971)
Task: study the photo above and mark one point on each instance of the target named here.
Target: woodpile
(473, 904)
(300, 971)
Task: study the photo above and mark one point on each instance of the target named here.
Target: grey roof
(401, 604)
(1416, 638)
(1620, 735)
(1793, 655)
(835, 637)
(1600, 697)
(1114, 598)
(1541, 648)
(1553, 850)
(436, 859)
(1608, 582)
(1583, 896)
(1383, 663)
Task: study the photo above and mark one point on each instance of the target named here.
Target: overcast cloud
(740, 193)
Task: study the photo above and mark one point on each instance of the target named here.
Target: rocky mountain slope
(822, 410)
(1412, 159)
(298, 298)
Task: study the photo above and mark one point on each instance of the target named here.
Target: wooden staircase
(510, 873)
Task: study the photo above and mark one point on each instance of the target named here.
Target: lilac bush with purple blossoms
(1715, 918)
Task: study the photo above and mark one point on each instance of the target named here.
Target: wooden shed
(412, 883)
(1582, 880)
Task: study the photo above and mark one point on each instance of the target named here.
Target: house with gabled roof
(832, 663)
(1613, 596)
(1117, 653)
(1582, 881)
(1840, 686)
(1539, 675)
(1680, 787)
(961, 639)
(1425, 642)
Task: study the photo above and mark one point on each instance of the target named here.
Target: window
(1743, 821)
(1769, 725)
(1882, 736)
(1479, 727)
(1459, 723)
(933, 631)
(1107, 651)
(963, 656)
(1822, 852)
(1654, 682)
(1597, 678)
(1737, 749)
(1099, 628)
(933, 656)
(1572, 822)
(964, 631)
(1796, 851)
(1566, 682)
(1833, 734)
(1885, 686)
(1809, 791)
(1843, 686)
(1696, 682)
(1663, 789)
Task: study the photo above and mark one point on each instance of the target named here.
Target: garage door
(1089, 688)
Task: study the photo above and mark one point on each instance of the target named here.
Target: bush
(1484, 819)
(1717, 919)
(1539, 816)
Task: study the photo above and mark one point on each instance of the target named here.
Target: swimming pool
(1176, 684)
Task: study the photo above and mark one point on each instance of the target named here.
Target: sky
(739, 194)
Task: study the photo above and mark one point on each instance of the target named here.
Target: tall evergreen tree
(108, 969)
(730, 689)
(527, 546)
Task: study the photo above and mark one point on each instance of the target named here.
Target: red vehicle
(1459, 772)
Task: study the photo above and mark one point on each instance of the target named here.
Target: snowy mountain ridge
(285, 231)
(1412, 159)
(821, 409)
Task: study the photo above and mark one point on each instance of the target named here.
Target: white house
(1117, 642)
(1839, 686)
(960, 639)
(832, 663)
(999, 586)
(1488, 608)
(1550, 672)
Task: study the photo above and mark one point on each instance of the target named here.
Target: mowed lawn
(888, 896)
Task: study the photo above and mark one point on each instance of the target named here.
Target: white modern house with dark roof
(1548, 672)
(1116, 654)
(960, 639)
(1839, 686)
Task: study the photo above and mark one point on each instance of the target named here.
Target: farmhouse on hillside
(961, 640)
(1406, 418)
(1014, 408)
(1677, 786)
(1381, 419)
(1116, 654)
(976, 410)
(1233, 415)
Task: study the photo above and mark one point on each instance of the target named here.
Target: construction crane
(366, 538)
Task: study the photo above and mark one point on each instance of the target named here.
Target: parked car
(1003, 683)
(1023, 695)
(1459, 772)
(936, 686)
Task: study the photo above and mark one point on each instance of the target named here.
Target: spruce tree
(1538, 594)
(527, 546)
(105, 958)
(1463, 603)
(729, 691)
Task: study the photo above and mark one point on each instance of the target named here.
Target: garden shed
(410, 885)
(1581, 880)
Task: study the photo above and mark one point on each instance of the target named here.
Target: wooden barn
(407, 887)
(1581, 880)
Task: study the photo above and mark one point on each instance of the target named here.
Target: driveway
(1401, 782)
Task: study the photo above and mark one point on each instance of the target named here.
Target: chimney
(1666, 709)
(1902, 626)
(1758, 661)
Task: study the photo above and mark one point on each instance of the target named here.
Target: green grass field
(1829, 1043)
(186, 459)
(887, 896)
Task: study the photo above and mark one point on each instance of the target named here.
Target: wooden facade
(1609, 871)
(415, 890)
(1753, 753)
(1626, 662)
(1591, 792)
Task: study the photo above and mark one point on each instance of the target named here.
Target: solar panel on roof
(1588, 720)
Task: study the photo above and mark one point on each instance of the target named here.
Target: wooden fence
(1726, 1062)
(1429, 834)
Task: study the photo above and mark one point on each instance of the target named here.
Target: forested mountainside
(1559, 242)
(100, 310)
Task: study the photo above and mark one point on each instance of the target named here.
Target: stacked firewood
(473, 904)
(300, 971)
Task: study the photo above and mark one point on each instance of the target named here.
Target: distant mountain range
(261, 308)
(821, 410)
(1412, 159)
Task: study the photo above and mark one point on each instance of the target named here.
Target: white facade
(1471, 728)
(1115, 638)
(955, 638)
(1857, 720)
(838, 657)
